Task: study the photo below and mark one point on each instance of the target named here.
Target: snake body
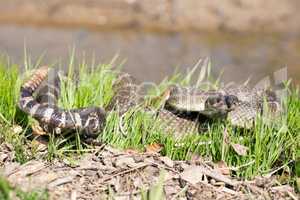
(184, 108)
(181, 112)
(89, 121)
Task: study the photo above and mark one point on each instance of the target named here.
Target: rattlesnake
(88, 120)
(182, 111)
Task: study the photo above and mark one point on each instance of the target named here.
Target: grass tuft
(269, 147)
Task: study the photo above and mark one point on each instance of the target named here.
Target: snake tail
(89, 120)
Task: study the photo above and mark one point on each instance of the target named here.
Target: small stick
(126, 171)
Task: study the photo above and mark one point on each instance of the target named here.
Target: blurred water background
(153, 42)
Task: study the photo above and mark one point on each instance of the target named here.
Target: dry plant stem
(126, 171)
(180, 192)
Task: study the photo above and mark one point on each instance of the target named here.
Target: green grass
(269, 146)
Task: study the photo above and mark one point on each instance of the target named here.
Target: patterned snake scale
(183, 111)
(89, 121)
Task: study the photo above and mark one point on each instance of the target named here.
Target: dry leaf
(37, 130)
(193, 174)
(166, 94)
(154, 148)
(17, 129)
(167, 161)
(38, 145)
(240, 149)
(124, 161)
(162, 97)
(222, 167)
(131, 151)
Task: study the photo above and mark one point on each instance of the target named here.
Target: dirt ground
(107, 172)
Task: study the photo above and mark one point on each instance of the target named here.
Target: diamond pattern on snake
(183, 110)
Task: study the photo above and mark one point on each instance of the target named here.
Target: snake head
(220, 104)
(231, 101)
(94, 122)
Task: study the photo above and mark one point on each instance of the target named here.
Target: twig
(60, 181)
(218, 177)
(129, 193)
(180, 192)
(125, 172)
(276, 170)
(227, 190)
(162, 166)
(27, 169)
(256, 190)
(241, 166)
(292, 195)
(286, 189)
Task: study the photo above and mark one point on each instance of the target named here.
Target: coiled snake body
(88, 120)
(180, 112)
